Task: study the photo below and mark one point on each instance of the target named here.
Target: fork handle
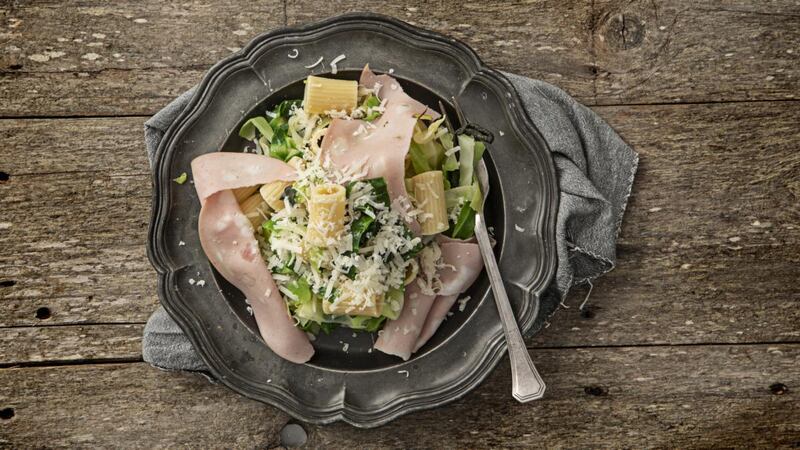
(526, 383)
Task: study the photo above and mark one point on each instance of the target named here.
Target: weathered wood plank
(49, 344)
(691, 50)
(549, 39)
(712, 396)
(42, 146)
(75, 243)
(108, 92)
(665, 52)
(129, 405)
(662, 51)
(46, 37)
(131, 57)
(679, 269)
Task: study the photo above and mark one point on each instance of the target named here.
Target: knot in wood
(6, 413)
(623, 32)
(597, 391)
(778, 389)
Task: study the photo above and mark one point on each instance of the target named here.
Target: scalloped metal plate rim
(282, 398)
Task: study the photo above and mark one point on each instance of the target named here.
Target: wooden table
(693, 341)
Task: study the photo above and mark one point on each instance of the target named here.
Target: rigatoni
(429, 194)
(325, 94)
(272, 194)
(255, 209)
(244, 192)
(326, 207)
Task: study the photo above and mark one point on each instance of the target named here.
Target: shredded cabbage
(466, 160)
(248, 130)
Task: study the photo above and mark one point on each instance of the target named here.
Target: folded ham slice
(379, 148)
(468, 266)
(422, 314)
(226, 236)
(391, 91)
(399, 336)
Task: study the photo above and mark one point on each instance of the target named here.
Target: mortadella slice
(226, 236)
(391, 91)
(469, 265)
(422, 314)
(379, 148)
(214, 172)
(399, 335)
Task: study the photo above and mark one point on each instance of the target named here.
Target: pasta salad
(367, 225)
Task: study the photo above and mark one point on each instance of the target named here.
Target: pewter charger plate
(359, 386)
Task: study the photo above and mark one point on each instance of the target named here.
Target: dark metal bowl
(358, 386)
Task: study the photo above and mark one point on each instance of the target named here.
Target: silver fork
(526, 383)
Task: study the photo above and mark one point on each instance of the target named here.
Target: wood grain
(695, 51)
(712, 396)
(70, 344)
(75, 243)
(128, 406)
(661, 52)
(46, 146)
(549, 40)
(129, 57)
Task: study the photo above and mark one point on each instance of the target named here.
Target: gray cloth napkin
(595, 174)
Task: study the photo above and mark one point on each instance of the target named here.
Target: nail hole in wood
(4, 176)
(597, 391)
(7, 283)
(6, 413)
(588, 312)
(43, 313)
(778, 389)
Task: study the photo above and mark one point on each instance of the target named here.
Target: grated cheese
(311, 66)
(333, 63)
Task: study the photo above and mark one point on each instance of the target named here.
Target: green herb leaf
(371, 101)
(379, 190)
(464, 228)
(267, 228)
(285, 107)
(359, 228)
(300, 288)
(181, 178)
